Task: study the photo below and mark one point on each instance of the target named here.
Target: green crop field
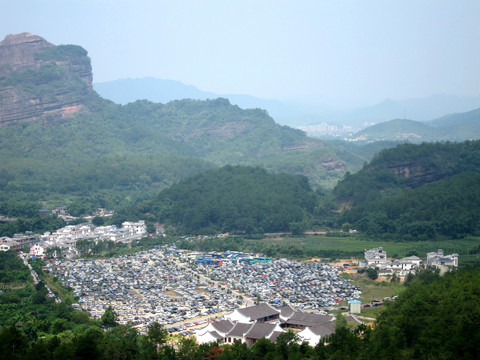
(356, 243)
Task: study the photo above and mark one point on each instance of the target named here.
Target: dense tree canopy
(113, 156)
(415, 192)
(235, 199)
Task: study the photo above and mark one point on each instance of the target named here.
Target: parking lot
(176, 289)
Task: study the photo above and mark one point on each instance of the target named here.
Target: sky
(325, 52)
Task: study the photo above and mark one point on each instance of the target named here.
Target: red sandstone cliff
(40, 81)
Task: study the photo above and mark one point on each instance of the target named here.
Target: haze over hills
(453, 127)
(292, 113)
(163, 91)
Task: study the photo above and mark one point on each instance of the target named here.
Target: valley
(218, 209)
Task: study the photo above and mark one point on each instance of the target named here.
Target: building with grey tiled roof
(286, 311)
(260, 313)
(236, 333)
(263, 321)
(300, 320)
(441, 261)
(261, 330)
(312, 335)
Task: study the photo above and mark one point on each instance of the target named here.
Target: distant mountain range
(291, 113)
(453, 127)
(125, 91)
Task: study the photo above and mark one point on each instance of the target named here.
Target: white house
(312, 335)
(214, 331)
(252, 323)
(441, 261)
(37, 250)
(375, 257)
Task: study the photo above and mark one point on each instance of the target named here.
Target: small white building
(441, 261)
(312, 335)
(7, 244)
(354, 306)
(214, 331)
(4, 247)
(375, 257)
(37, 250)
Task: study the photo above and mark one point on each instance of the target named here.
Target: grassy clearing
(372, 290)
(372, 312)
(355, 243)
(55, 286)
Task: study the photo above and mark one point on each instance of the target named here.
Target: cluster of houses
(62, 212)
(377, 258)
(18, 241)
(66, 238)
(247, 325)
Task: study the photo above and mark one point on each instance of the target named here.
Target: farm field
(357, 244)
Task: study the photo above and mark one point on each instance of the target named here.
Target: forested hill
(90, 152)
(415, 191)
(233, 199)
(114, 153)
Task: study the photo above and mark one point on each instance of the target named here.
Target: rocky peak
(40, 81)
(17, 52)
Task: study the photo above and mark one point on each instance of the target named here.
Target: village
(65, 239)
(230, 296)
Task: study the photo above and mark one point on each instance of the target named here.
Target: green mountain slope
(110, 155)
(415, 192)
(461, 126)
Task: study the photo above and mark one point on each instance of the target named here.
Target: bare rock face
(416, 174)
(40, 81)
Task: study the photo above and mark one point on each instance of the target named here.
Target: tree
(372, 273)
(88, 344)
(98, 221)
(187, 349)
(297, 228)
(157, 334)
(13, 343)
(346, 227)
(395, 279)
(120, 342)
(109, 318)
(343, 343)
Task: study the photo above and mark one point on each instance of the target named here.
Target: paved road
(36, 279)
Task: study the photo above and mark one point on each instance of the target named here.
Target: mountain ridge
(291, 113)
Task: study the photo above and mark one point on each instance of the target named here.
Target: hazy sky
(352, 51)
